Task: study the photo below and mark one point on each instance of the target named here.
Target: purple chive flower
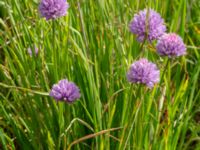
(52, 9)
(65, 91)
(171, 45)
(144, 72)
(30, 51)
(154, 28)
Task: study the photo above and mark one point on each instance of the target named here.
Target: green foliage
(92, 46)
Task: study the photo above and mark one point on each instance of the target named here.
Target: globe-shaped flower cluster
(147, 24)
(65, 91)
(144, 72)
(171, 45)
(52, 9)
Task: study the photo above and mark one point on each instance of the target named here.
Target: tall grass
(92, 46)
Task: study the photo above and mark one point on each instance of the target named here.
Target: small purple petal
(30, 51)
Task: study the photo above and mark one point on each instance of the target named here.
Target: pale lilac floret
(171, 45)
(65, 91)
(151, 29)
(30, 51)
(143, 72)
(52, 9)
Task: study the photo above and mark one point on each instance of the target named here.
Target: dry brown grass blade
(91, 136)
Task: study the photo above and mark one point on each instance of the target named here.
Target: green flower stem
(55, 53)
(157, 91)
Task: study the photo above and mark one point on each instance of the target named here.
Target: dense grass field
(93, 47)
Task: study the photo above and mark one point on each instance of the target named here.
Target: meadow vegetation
(93, 47)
